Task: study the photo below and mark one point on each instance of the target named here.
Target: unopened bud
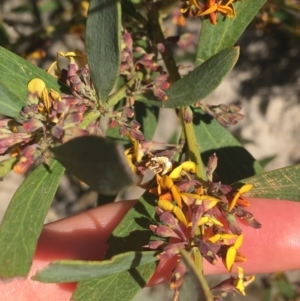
(188, 115)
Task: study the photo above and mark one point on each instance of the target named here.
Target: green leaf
(6, 166)
(200, 82)
(131, 234)
(147, 117)
(24, 218)
(77, 270)
(14, 77)
(282, 184)
(98, 162)
(214, 38)
(10, 102)
(234, 161)
(103, 44)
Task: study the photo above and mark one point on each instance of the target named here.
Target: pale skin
(274, 247)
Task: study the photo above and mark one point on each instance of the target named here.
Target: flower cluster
(48, 118)
(51, 118)
(202, 216)
(225, 115)
(150, 155)
(151, 77)
(210, 8)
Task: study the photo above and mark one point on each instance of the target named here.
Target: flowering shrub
(195, 189)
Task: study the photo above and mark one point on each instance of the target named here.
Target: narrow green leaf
(23, 220)
(200, 82)
(14, 77)
(234, 161)
(6, 166)
(194, 286)
(97, 161)
(131, 234)
(214, 38)
(282, 184)
(103, 44)
(122, 286)
(77, 270)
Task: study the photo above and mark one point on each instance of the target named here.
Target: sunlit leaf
(98, 162)
(103, 44)
(131, 234)
(14, 77)
(24, 218)
(214, 38)
(283, 184)
(200, 82)
(77, 270)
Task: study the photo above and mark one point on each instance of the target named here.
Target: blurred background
(265, 83)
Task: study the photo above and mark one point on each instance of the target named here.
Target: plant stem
(121, 93)
(188, 128)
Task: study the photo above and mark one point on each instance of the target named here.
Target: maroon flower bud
(158, 211)
(234, 108)
(197, 212)
(211, 166)
(27, 158)
(113, 123)
(173, 249)
(209, 251)
(72, 133)
(135, 125)
(127, 40)
(57, 131)
(163, 231)
(128, 112)
(161, 81)
(168, 219)
(160, 94)
(33, 125)
(188, 115)
(136, 134)
(72, 70)
(155, 244)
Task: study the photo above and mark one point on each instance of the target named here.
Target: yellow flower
(212, 7)
(233, 255)
(76, 57)
(245, 188)
(168, 206)
(179, 171)
(84, 7)
(133, 154)
(224, 237)
(241, 281)
(38, 87)
(166, 183)
(190, 4)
